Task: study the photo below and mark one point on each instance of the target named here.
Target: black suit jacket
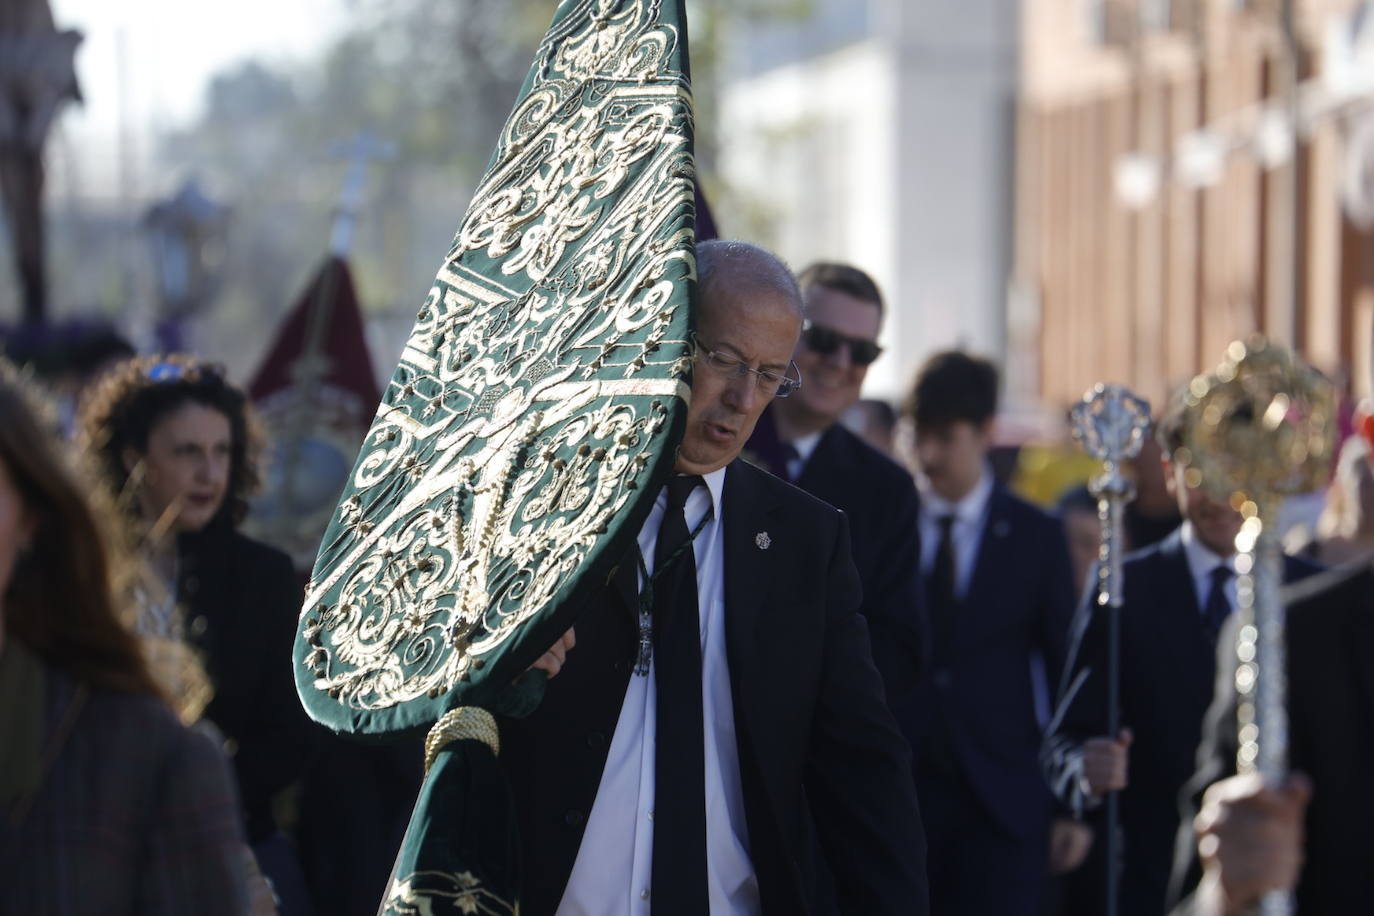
(1330, 631)
(879, 497)
(1019, 603)
(134, 815)
(823, 767)
(241, 600)
(1168, 664)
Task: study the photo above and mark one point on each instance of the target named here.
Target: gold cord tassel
(458, 724)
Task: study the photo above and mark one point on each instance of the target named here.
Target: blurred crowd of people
(157, 760)
(149, 639)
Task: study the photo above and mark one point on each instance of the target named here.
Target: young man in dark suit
(709, 774)
(1310, 833)
(1177, 595)
(801, 439)
(1000, 595)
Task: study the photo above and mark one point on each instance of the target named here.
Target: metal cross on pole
(312, 366)
(37, 77)
(362, 150)
(1111, 424)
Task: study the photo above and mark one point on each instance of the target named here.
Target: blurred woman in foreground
(108, 805)
(175, 447)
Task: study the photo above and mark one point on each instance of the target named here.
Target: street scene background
(1082, 190)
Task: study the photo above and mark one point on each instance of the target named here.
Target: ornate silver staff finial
(1111, 424)
(1256, 431)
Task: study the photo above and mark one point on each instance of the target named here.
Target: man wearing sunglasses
(802, 440)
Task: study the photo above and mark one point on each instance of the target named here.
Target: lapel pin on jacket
(762, 541)
(1001, 527)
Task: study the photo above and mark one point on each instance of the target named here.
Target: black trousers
(976, 867)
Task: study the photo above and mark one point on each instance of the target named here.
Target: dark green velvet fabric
(460, 854)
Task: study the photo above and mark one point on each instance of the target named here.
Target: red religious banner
(316, 394)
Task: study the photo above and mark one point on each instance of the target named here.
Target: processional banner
(517, 449)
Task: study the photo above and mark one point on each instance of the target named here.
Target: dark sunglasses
(822, 340)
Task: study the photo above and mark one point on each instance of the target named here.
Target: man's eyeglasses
(769, 381)
(822, 340)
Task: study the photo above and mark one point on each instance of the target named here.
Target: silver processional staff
(1111, 424)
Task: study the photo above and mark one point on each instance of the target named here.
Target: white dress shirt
(970, 517)
(1201, 562)
(612, 873)
(804, 446)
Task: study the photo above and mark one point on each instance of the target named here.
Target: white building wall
(812, 150)
(894, 153)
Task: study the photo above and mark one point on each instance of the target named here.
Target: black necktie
(1217, 608)
(941, 581)
(679, 864)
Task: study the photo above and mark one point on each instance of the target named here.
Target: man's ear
(987, 431)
